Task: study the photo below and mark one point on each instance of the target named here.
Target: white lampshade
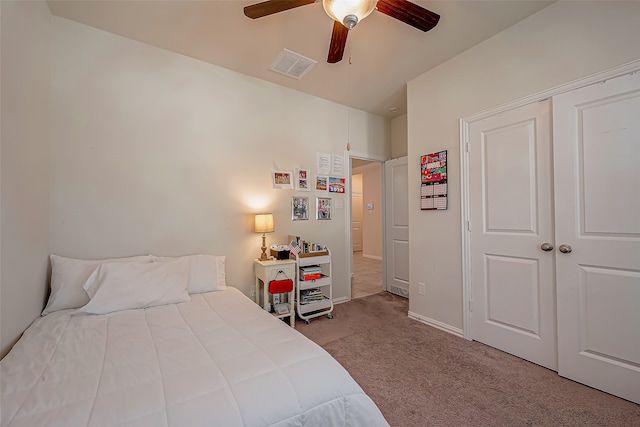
(264, 223)
(344, 11)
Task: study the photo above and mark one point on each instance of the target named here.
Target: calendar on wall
(433, 187)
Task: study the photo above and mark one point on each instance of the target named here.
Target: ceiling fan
(347, 13)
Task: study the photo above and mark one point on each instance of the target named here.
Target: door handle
(547, 247)
(565, 249)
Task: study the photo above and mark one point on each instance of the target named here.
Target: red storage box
(280, 286)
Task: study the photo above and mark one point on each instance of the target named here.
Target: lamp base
(264, 256)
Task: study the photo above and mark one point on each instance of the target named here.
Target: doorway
(366, 228)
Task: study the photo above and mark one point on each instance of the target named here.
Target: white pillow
(69, 274)
(121, 286)
(206, 272)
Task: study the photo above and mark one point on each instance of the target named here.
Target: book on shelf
(312, 272)
(314, 295)
(310, 301)
(281, 308)
(305, 246)
(310, 292)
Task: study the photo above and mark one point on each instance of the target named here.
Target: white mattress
(218, 360)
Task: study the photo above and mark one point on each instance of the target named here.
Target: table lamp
(264, 224)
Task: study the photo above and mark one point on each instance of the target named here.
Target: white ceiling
(385, 53)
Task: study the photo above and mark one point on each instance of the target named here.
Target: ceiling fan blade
(338, 42)
(409, 13)
(270, 7)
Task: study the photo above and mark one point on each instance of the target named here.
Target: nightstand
(267, 271)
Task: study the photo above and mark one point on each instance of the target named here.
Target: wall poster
(336, 185)
(433, 188)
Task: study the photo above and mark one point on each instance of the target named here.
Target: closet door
(597, 200)
(511, 233)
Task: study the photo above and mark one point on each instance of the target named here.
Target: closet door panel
(513, 279)
(597, 198)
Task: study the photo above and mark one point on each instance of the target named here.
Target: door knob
(565, 249)
(546, 247)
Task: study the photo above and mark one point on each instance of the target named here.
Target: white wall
(153, 152)
(562, 43)
(399, 136)
(24, 166)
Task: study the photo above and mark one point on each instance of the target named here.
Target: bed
(193, 357)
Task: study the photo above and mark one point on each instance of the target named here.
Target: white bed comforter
(218, 360)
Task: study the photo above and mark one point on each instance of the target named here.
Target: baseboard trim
(399, 291)
(439, 325)
(378, 258)
(340, 300)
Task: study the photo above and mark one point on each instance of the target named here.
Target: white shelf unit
(310, 309)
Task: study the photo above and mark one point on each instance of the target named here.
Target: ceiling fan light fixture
(350, 21)
(349, 12)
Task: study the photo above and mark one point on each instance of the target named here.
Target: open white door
(511, 228)
(397, 226)
(597, 196)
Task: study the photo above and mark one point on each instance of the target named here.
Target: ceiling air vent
(292, 64)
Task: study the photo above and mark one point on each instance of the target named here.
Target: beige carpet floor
(422, 376)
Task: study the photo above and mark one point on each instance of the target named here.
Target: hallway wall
(371, 218)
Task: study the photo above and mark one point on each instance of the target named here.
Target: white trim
(464, 220)
(341, 300)
(383, 188)
(347, 224)
(465, 122)
(360, 156)
(434, 323)
(379, 258)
